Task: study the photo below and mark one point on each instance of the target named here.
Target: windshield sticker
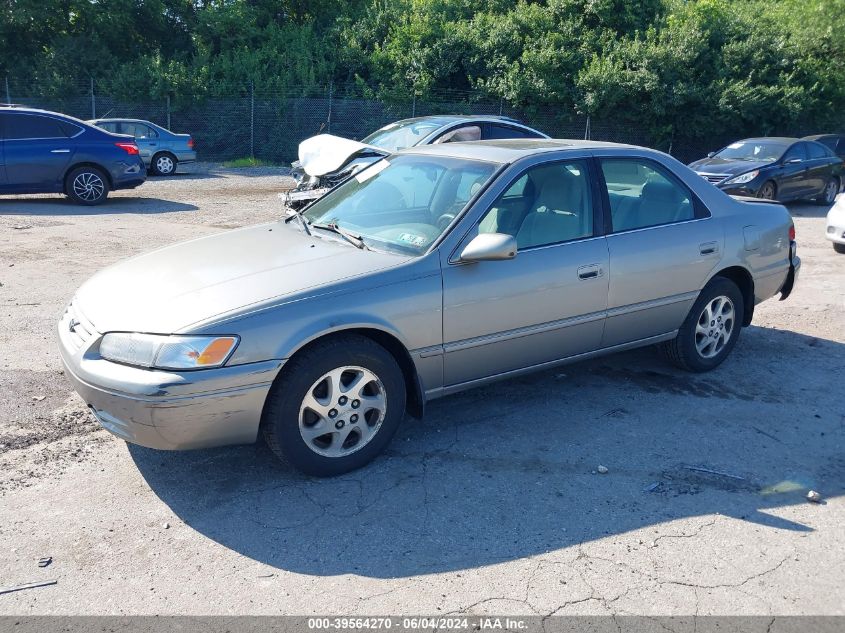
(734, 145)
(414, 240)
(365, 174)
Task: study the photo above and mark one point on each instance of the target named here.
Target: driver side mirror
(711, 154)
(487, 247)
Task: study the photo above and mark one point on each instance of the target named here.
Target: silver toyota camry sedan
(437, 269)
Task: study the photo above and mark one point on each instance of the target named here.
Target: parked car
(774, 168)
(836, 225)
(48, 152)
(326, 160)
(161, 149)
(834, 142)
(437, 269)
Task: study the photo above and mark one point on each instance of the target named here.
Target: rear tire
(711, 328)
(87, 186)
(163, 164)
(828, 194)
(839, 248)
(335, 407)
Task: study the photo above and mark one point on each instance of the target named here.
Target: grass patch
(247, 161)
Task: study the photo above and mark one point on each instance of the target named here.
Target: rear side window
(840, 146)
(498, 130)
(642, 194)
(138, 130)
(797, 151)
(817, 151)
(32, 126)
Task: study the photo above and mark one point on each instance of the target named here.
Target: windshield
(754, 150)
(402, 203)
(400, 135)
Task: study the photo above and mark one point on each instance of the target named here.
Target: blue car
(46, 152)
(160, 148)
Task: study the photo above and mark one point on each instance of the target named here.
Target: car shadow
(60, 206)
(805, 209)
(510, 470)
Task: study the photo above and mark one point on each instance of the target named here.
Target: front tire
(711, 328)
(335, 407)
(768, 191)
(163, 164)
(87, 186)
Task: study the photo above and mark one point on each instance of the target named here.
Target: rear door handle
(708, 248)
(590, 271)
(59, 151)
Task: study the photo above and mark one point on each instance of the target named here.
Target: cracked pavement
(490, 505)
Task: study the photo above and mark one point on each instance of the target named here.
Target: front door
(545, 304)
(793, 173)
(663, 247)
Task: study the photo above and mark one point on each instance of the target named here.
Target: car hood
(727, 167)
(169, 290)
(324, 153)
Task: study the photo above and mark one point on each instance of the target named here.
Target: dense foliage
(677, 67)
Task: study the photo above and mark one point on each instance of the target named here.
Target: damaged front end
(324, 162)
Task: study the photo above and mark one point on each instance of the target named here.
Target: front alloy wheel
(335, 406)
(342, 411)
(767, 191)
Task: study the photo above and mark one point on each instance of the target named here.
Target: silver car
(437, 269)
(161, 149)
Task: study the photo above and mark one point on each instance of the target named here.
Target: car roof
(447, 119)
(12, 107)
(816, 137)
(121, 120)
(509, 150)
(769, 139)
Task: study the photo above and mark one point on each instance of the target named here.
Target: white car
(836, 225)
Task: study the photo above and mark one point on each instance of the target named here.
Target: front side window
(32, 126)
(549, 204)
(817, 151)
(402, 203)
(796, 152)
(461, 134)
(642, 195)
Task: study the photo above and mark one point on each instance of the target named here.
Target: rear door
(662, 246)
(37, 150)
(819, 167)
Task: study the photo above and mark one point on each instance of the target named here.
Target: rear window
(19, 126)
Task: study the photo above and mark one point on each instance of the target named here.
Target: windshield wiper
(302, 221)
(356, 240)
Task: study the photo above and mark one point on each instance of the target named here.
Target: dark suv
(46, 152)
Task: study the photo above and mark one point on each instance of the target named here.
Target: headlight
(168, 352)
(744, 178)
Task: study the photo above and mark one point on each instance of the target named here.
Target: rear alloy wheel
(828, 195)
(336, 406)
(768, 191)
(87, 185)
(711, 328)
(163, 164)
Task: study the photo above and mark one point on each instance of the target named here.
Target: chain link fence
(269, 126)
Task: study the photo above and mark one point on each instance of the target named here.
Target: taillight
(792, 232)
(191, 143)
(129, 148)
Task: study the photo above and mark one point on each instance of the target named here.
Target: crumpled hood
(168, 290)
(324, 153)
(727, 167)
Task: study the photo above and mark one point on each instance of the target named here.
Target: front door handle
(590, 271)
(708, 248)
(59, 151)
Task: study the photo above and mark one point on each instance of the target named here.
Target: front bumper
(164, 409)
(835, 225)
